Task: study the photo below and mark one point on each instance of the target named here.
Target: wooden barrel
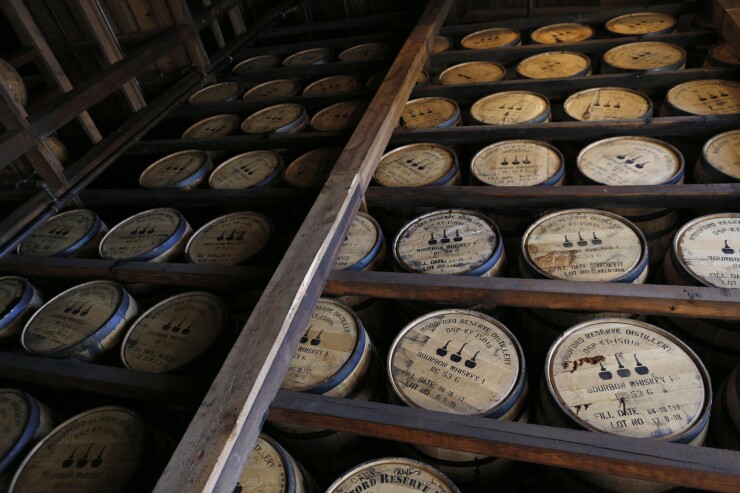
(312, 169)
(14, 82)
(608, 103)
(496, 37)
(517, 163)
(216, 93)
(213, 126)
(724, 428)
(705, 253)
(393, 475)
(721, 55)
(510, 107)
(554, 65)
(253, 169)
(312, 56)
(720, 159)
(620, 161)
(365, 52)
(644, 56)
(279, 88)
(338, 117)
(230, 240)
(174, 332)
(703, 97)
(19, 299)
(641, 24)
(182, 170)
(75, 233)
(57, 148)
(80, 323)
(441, 43)
(334, 84)
(278, 119)
(472, 72)
(461, 362)
(565, 32)
(255, 64)
(156, 235)
(271, 469)
(627, 378)
(107, 449)
(430, 113)
(24, 421)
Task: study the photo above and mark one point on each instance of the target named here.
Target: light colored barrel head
(142, 234)
(724, 54)
(344, 115)
(230, 240)
(517, 163)
(722, 152)
(430, 113)
(416, 165)
(511, 107)
(247, 170)
(472, 72)
(274, 119)
(313, 168)
(15, 413)
(255, 64)
(365, 52)
(361, 242)
(213, 126)
(179, 170)
(266, 470)
(646, 56)
(215, 93)
(279, 88)
(63, 234)
(491, 38)
(554, 65)
(706, 97)
(566, 32)
(608, 103)
(334, 84)
(393, 475)
(308, 57)
(14, 82)
(641, 23)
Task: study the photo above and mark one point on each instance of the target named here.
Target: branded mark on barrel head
(359, 243)
(230, 239)
(72, 317)
(456, 361)
(429, 113)
(393, 475)
(706, 97)
(140, 234)
(722, 152)
(173, 169)
(325, 347)
(639, 380)
(14, 415)
(646, 55)
(472, 72)
(313, 168)
(340, 116)
(246, 170)
(215, 93)
(273, 119)
(514, 163)
(280, 88)
(630, 161)
(59, 233)
(510, 107)
(723, 53)
(582, 245)
(567, 32)
(335, 84)
(265, 472)
(308, 57)
(100, 450)
(446, 242)
(213, 126)
(245, 67)
(608, 103)
(709, 249)
(641, 23)
(415, 165)
(173, 333)
(556, 64)
(490, 38)
(365, 52)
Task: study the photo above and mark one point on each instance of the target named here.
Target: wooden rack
(234, 404)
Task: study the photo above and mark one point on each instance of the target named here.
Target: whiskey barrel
(279, 88)
(441, 43)
(471, 73)
(14, 82)
(365, 52)
(641, 24)
(174, 332)
(156, 235)
(720, 159)
(230, 240)
(703, 97)
(312, 56)
(312, 169)
(75, 233)
(721, 55)
(608, 103)
(216, 93)
(19, 299)
(182, 170)
(255, 64)
(554, 65)
(254, 169)
(281, 118)
(627, 378)
(461, 362)
(644, 56)
(392, 475)
(496, 37)
(80, 323)
(618, 161)
(724, 428)
(430, 113)
(337, 117)
(334, 84)
(213, 126)
(271, 469)
(107, 449)
(565, 32)
(510, 107)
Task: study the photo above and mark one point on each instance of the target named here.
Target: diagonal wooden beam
(196, 51)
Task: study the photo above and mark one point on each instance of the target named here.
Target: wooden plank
(215, 28)
(336, 44)
(197, 53)
(361, 69)
(731, 28)
(203, 198)
(380, 21)
(13, 143)
(22, 57)
(653, 460)
(143, 17)
(720, 8)
(304, 140)
(216, 445)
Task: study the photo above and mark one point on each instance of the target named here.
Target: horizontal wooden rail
(304, 140)
(648, 299)
(311, 71)
(651, 460)
(337, 43)
(251, 198)
(379, 21)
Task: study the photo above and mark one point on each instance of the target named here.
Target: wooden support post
(181, 14)
(236, 16)
(217, 33)
(22, 20)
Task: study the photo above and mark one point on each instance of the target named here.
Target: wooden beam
(196, 51)
(379, 21)
(215, 28)
(303, 140)
(731, 28)
(331, 44)
(200, 198)
(216, 445)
